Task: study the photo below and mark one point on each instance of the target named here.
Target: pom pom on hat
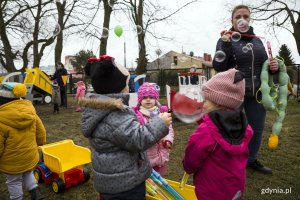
(226, 89)
(13, 90)
(106, 76)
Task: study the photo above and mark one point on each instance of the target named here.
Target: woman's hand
(225, 36)
(273, 65)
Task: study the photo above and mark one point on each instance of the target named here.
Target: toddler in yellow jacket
(21, 131)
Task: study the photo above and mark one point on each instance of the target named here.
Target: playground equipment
(62, 165)
(190, 84)
(37, 82)
(133, 88)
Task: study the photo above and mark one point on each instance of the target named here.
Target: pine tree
(285, 53)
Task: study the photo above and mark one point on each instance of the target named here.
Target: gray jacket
(118, 141)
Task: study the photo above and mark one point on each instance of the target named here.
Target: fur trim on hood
(102, 103)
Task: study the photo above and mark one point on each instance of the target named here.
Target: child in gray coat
(120, 164)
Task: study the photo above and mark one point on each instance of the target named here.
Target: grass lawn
(285, 161)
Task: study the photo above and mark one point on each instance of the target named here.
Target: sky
(195, 28)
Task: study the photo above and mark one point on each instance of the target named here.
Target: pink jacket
(80, 92)
(218, 156)
(157, 154)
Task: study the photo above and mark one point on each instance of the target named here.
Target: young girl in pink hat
(217, 152)
(148, 107)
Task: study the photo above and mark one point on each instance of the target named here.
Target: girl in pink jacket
(217, 152)
(80, 92)
(148, 107)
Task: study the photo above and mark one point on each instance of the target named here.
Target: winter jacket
(250, 63)
(80, 92)
(21, 131)
(158, 154)
(118, 141)
(55, 95)
(217, 154)
(58, 76)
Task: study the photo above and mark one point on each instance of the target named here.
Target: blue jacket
(250, 63)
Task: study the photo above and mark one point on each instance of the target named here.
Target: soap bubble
(220, 56)
(235, 36)
(139, 29)
(111, 3)
(105, 32)
(245, 49)
(186, 109)
(249, 45)
(243, 25)
(56, 30)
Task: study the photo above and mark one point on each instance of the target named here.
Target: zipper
(252, 77)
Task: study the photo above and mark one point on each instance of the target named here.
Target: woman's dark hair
(239, 7)
(60, 63)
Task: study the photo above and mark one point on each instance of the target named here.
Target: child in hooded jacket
(80, 92)
(120, 165)
(148, 107)
(55, 97)
(21, 131)
(217, 152)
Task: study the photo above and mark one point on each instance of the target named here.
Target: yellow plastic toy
(188, 192)
(62, 165)
(1, 78)
(39, 86)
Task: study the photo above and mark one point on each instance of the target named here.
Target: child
(21, 131)
(217, 152)
(55, 96)
(119, 161)
(80, 92)
(147, 108)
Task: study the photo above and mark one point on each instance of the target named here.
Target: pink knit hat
(147, 90)
(226, 89)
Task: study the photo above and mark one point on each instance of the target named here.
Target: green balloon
(118, 30)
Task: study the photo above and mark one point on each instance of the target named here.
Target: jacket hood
(17, 114)
(98, 106)
(230, 127)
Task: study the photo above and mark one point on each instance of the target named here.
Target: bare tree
(280, 13)
(146, 13)
(10, 12)
(74, 17)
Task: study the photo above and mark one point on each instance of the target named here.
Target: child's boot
(35, 194)
(78, 108)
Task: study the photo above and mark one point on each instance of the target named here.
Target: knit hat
(80, 83)
(106, 76)
(12, 90)
(226, 89)
(147, 90)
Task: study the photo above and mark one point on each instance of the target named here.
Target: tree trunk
(296, 34)
(59, 37)
(141, 66)
(9, 55)
(103, 40)
(36, 59)
(142, 62)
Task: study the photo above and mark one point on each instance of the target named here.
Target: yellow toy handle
(184, 179)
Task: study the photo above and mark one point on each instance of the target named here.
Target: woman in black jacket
(246, 54)
(61, 71)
